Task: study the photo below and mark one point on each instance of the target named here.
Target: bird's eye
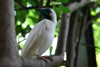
(48, 11)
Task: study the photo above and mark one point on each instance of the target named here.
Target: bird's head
(48, 14)
(45, 12)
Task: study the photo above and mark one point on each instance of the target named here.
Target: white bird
(41, 36)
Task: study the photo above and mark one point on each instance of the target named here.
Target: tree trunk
(8, 46)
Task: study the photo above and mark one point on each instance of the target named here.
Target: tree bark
(71, 39)
(8, 46)
(63, 33)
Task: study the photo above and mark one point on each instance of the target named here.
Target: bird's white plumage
(40, 37)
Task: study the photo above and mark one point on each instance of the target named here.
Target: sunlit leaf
(62, 0)
(56, 10)
(64, 9)
(21, 46)
(51, 48)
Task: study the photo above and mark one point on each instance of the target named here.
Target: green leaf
(21, 15)
(62, 0)
(33, 2)
(25, 30)
(21, 46)
(18, 29)
(56, 10)
(34, 19)
(64, 9)
(28, 28)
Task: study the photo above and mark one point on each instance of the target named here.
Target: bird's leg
(44, 57)
(50, 57)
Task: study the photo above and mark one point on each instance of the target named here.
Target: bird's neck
(54, 19)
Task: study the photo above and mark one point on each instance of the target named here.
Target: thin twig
(88, 45)
(48, 3)
(41, 6)
(21, 41)
(94, 4)
(35, 7)
(90, 21)
(20, 4)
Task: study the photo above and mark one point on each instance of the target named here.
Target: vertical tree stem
(48, 3)
(63, 33)
(71, 39)
(80, 37)
(41, 6)
(8, 45)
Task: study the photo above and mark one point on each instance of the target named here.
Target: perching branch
(41, 63)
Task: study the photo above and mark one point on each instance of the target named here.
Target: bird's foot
(45, 58)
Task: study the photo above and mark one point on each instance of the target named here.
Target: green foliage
(96, 28)
(64, 9)
(21, 16)
(21, 46)
(56, 10)
(18, 29)
(96, 31)
(17, 6)
(57, 29)
(33, 2)
(51, 48)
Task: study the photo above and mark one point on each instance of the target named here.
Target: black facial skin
(45, 13)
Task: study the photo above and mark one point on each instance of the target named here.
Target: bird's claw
(47, 57)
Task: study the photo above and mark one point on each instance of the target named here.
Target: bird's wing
(33, 37)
